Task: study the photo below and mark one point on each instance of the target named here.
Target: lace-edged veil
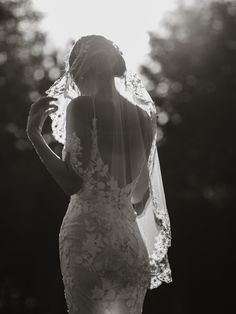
(133, 141)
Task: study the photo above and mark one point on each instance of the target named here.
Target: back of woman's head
(96, 55)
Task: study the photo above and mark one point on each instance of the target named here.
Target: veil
(131, 156)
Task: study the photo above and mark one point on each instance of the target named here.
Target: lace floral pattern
(99, 237)
(159, 263)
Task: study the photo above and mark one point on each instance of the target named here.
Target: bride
(115, 234)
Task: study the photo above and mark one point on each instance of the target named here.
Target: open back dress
(104, 261)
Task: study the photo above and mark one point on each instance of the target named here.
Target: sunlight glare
(124, 22)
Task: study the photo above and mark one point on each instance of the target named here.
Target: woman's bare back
(121, 134)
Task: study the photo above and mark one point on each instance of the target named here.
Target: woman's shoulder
(80, 107)
(78, 103)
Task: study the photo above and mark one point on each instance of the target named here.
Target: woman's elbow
(70, 192)
(141, 205)
(72, 189)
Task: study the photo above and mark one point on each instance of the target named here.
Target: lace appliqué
(74, 149)
(160, 268)
(109, 245)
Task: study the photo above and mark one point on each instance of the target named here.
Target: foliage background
(191, 75)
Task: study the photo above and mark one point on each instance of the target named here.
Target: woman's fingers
(39, 111)
(51, 109)
(48, 98)
(45, 100)
(43, 104)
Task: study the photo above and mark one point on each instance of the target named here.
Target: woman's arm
(67, 180)
(139, 207)
(141, 192)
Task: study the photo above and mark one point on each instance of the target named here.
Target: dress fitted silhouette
(104, 261)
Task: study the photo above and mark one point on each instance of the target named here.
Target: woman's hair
(103, 57)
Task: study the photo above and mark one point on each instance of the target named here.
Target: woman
(115, 234)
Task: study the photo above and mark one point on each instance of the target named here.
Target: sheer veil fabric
(127, 140)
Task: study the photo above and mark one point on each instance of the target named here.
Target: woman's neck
(105, 90)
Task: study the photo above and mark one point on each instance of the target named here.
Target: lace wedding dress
(104, 261)
(110, 255)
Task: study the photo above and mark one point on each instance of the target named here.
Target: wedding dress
(109, 254)
(104, 261)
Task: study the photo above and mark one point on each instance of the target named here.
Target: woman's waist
(101, 198)
(109, 224)
(92, 209)
(105, 189)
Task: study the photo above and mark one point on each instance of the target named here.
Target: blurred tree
(28, 240)
(26, 68)
(191, 74)
(192, 70)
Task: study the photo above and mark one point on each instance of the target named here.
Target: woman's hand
(39, 112)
